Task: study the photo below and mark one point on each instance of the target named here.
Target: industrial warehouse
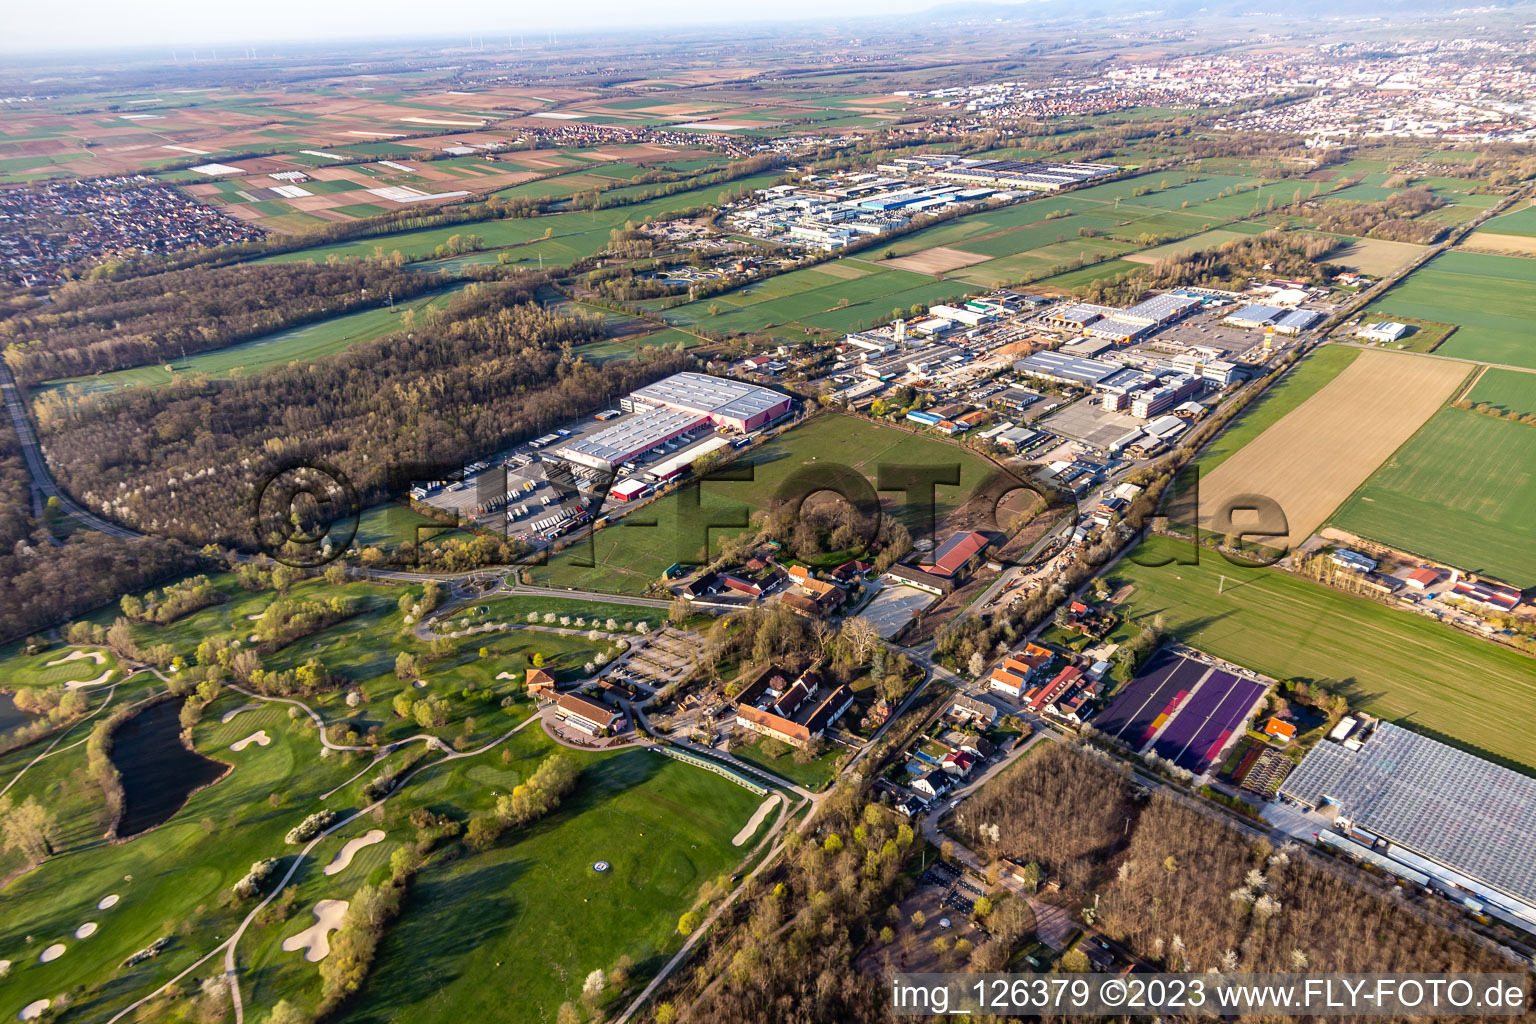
(1427, 812)
(672, 408)
(1033, 175)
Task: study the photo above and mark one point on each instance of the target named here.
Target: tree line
(97, 326)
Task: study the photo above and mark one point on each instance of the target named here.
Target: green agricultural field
(1521, 221)
(299, 344)
(1491, 300)
(571, 236)
(857, 291)
(630, 555)
(1396, 664)
(1300, 383)
(1071, 279)
(1506, 390)
(1460, 491)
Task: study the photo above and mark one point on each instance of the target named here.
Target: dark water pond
(10, 715)
(158, 772)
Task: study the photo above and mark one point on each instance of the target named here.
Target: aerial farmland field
(571, 236)
(1377, 402)
(1421, 673)
(1461, 492)
(1491, 299)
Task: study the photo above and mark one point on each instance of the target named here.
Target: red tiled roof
(951, 556)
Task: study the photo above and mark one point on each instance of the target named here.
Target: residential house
(958, 763)
(933, 784)
(1280, 729)
(1018, 671)
(968, 710)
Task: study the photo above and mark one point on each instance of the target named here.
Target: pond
(10, 715)
(158, 772)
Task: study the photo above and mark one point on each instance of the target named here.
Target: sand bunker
(756, 820)
(350, 850)
(5, 968)
(505, 675)
(316, 939)
(108, 902)
(260, 738)
(52, 953)
(90, 682)
(32, 1011)
(86, 930)
(96, 656)
(228, 715)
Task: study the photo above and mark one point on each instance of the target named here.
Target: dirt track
(1315, 457)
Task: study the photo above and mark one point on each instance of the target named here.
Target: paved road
(42, 481)
(1438, 355)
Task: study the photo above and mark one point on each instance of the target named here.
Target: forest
(94, 326)
(1394, 219)
(50, 579)
(1293, 255)
(491, 369)
(1189, 893)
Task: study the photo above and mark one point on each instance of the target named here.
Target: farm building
(949, 559)
(1354, 561)
(1488, 594)
(1422, 579)
(1385, 331)
(1467, 824)
(795, 711)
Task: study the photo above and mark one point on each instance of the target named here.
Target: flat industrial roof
(1256, 313)
(634, 435)
(1454, 808)
(1055, 364)
(710, 396)
(1160, 306)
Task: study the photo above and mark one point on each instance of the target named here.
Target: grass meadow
(1396, 664)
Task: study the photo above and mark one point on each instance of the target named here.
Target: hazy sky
(98, 24)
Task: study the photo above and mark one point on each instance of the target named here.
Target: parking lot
(1092, 424)
(894, 606)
